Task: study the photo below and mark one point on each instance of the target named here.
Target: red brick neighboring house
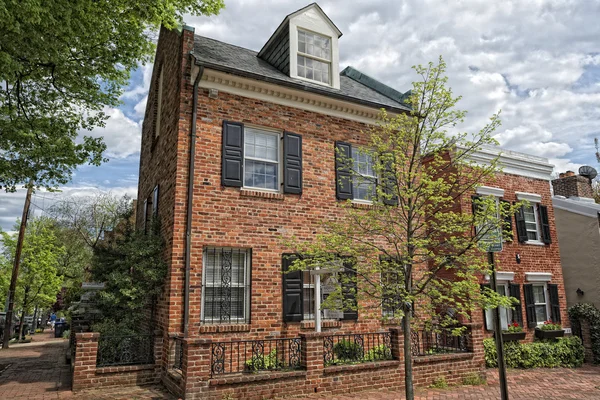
(260, 130)
(529, 266)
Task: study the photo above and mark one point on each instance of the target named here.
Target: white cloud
(121, 134)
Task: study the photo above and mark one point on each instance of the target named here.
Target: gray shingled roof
(236, 60)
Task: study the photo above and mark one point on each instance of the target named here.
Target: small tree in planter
(549, 330)
(514, 332)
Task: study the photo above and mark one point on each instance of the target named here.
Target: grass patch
(439, 383)
(474, 379)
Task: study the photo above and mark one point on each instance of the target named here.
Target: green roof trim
(374, 84)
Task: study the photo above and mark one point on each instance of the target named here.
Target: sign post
(492, 243)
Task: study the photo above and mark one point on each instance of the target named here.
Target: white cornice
(586, 208)
(515, 163)
(490, 191)
(530, 197)
(538, 276)
(259, 90)
(502, 276)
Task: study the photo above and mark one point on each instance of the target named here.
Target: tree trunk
(22, 321)
(34, 322)
(408, 371)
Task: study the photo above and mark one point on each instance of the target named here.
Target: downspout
(190, 199)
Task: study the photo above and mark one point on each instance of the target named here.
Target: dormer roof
(285, 25)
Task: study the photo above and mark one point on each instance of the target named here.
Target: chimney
(571, 185)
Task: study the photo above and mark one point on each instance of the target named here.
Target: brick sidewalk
(537, 384)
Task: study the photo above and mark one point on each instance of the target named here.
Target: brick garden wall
(86, 375)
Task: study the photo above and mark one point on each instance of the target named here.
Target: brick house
(529, 266)
(238, 148)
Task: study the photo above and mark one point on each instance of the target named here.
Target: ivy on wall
(588, 312)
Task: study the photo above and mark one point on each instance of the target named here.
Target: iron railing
(178, 359)
(255, 355)
(125, 350)
(357, 348)
(437, 340)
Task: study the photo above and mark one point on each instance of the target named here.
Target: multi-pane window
(314, 56)
(364, 179)
(541, 306)
(328, 284)
(531, 222)
(226, 286)
(261, 159)
(505, 313)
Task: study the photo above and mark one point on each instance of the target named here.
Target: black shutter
(545, 222)
(487, 328)
(529, 305)
(475, 207)
(232, 173)
(514, 290)
(507, 231)
(292, 291)
(390, 183)
(521, 227)
(343, 170)
(554, 303)
(292, 163)
(349, 288)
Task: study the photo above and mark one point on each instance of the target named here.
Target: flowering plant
(550, 326)
(514, 327)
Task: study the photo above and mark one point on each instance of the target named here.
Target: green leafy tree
(130, 263)
(60, 66)
(39, 281)
(422, 249)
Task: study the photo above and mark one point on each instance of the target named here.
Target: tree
(60, 66)
(40, 281)
(414, 245)
(133, 270)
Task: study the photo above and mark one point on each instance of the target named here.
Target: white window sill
(359, 201)
(535, 242)
(269, 194)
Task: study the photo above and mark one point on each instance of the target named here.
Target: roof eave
(299, 86)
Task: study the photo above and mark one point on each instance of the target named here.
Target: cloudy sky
(538, 61)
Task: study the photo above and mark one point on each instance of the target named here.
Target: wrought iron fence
(255, 355)
(125, 350)
(437, 340)
(178, 359)
(357, 348)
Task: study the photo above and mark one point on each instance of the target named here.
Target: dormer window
(314, 56)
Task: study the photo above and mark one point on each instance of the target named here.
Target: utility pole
(498, 334)
(15, 271)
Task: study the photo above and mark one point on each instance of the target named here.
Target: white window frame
(313, 57)
(306, 314)
(246, 285)
(544, 286)
(358, 176)
(279, 169)
(538, 230)
(534, 200)
(509, 312)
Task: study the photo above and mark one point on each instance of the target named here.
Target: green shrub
(347, 350)
(261, 362)
(66, 334)
(474, 379)
(563, 352)
(588, 312)
(381, 352)
(439, 383)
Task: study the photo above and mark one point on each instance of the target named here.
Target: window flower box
(513, 336)
(546, 334)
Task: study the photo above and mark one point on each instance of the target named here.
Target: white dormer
(305, 46)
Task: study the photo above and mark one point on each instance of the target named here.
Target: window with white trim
(505, 313)
(532, 223)
(328, 284)
(314, 56)
(226, 285)
(261, 159)
(541, 303)
(364, 178)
